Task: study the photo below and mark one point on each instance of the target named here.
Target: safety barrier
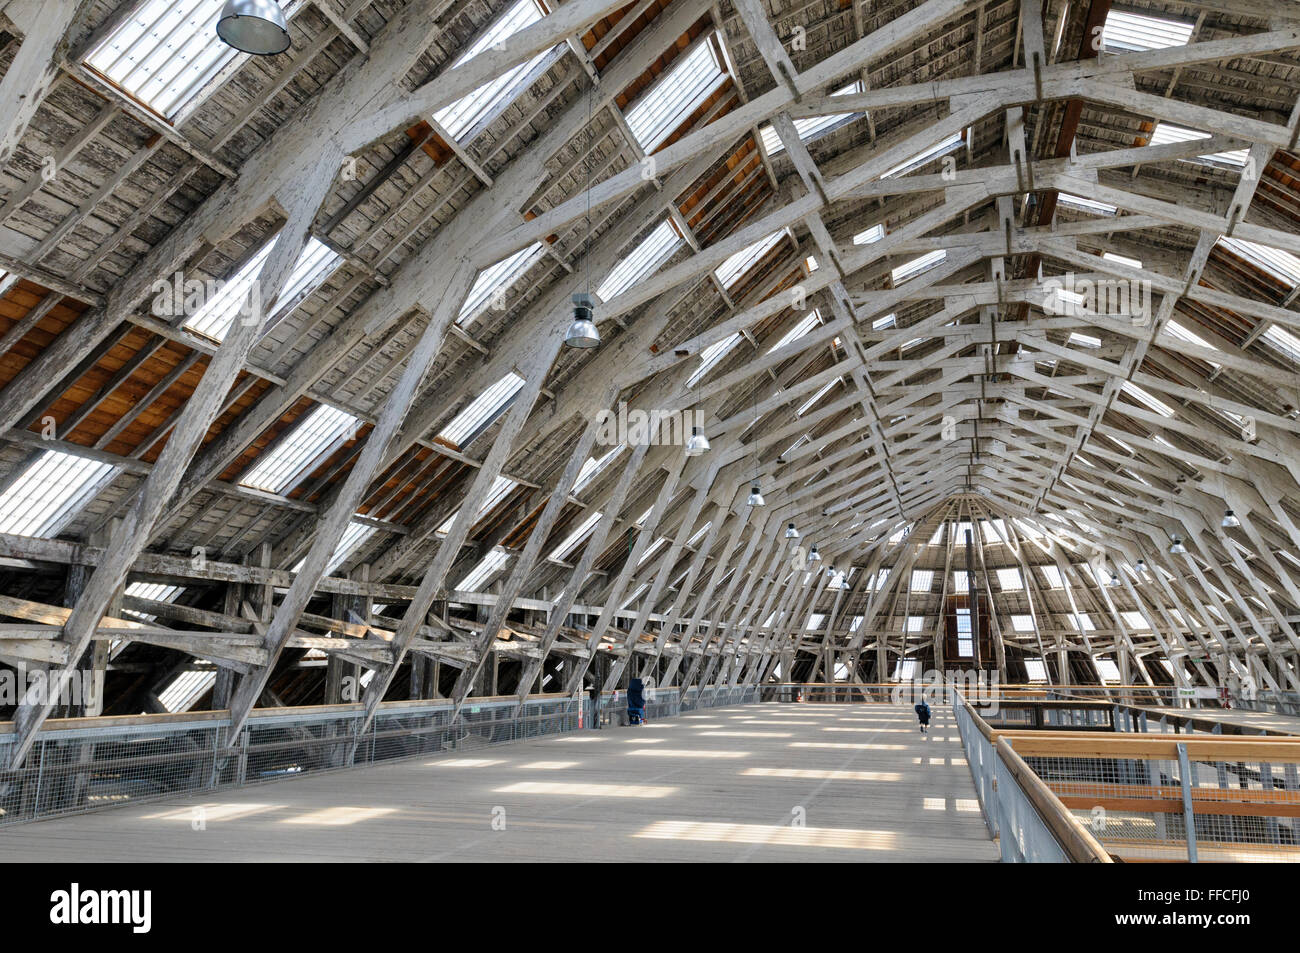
(85, 764)
(1029, 821)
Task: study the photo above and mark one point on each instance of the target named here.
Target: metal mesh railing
(87, 767)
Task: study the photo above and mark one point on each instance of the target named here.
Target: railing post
(1189, 819)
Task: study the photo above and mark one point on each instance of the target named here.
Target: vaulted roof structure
(993, 302)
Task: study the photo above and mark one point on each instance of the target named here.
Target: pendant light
(1176, 548)
(582, 333)
(1141, 566)
(253, 26)
(791, 532)
(1229, 520)
(1114, 580)
(698, 444)
(755, 497)
(813, 555)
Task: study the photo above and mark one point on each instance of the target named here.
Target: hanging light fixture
(253, 26)
(791, 532)
(697, 444)
(1114, 580)
(755, 497)
(1141, 565)
(1176, 548)
(582, 332)
(813, 555)
(1229, 520)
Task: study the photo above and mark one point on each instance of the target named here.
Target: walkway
(772, 782)
(1251, 720)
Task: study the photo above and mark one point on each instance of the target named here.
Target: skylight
(1022, 623)
(165, 53)
(1134, 620)
(735, 267)
(1107, 670)
(1145, 397)
(1090, 206)
(1053, 577)
(219, 310)
(817, 396)
(813, 126)
(572, 541)
(1083, 622)
(870, 235)
(881, 324)
(1281, 265)
(487, 567)
(1009, 580)
(50, 492)
(320, 431)
(1084, 340)
(676, 95)
(593, 468)
(926, 156)
(155, 591)
(1284, 341)
(495, 281)
(905, 670)
(710, 357)
(1035, 670)
(482, 410)
(810, 321)
(501, 488)
(184, 691)
(641, 261)
(922, 580)
(1134, 32)
(488, 100)
(915, 623)
(918, 266)
(960, 581)
(1166, 133)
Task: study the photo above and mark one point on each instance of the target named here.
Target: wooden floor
(722, 785)
(1255, 720)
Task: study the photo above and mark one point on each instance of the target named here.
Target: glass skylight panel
(1009, 580)
(652, 549)
(1035, 670)
(164, 53)
(1134, 620)
(50, 492)
(699, 534)
(155, 591)
(1022, 623)
(641, 261)
(570, 543)
(1282, 265)
(487, 567)
(593, 467)
(184, 691)
(219, 310)
(689, 82)
(1107, 670)
(960, 581)
(1134, 32)
(881, 324)
(1145, 397)
(922, 580)
(496, 279)
(810, 321)
(710, 357)
(353, 536)
(1084, 340)
(936, 151)
(1122, 259)
(878, 583)
(905, 670)
(916, 623)
(817, 396)
(1166, 133)
(813, 126)
(855, 623)
(1053, 577)
(1083, 622)
(289, 458)
(815, 621)
(482, 410)
(917, 266)
(1091, 206)
(468, 112)
(1284, 340)
(735, 267)
(870, 235)
(501, 487)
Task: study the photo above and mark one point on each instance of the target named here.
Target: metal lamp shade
(254, 26)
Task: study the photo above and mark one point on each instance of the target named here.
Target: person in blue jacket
(923, 715)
